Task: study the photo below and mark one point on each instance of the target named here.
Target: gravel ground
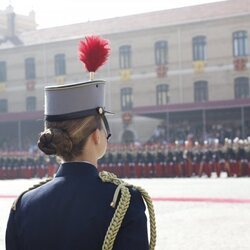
(185, 225)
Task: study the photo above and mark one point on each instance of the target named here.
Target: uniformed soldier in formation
(120, 160)
(178, 160)
(247, 149)
(231, 158)
(170, 171)
(129, 163)
(215, 158)
(197, 157)
(149, 165)
(221, 158)
(147, 161)
(140, 163)
(206, 160)
(79, 208)
(160, 162)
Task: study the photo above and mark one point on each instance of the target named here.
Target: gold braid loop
(122, 208)
(117, 219)
(31, 188)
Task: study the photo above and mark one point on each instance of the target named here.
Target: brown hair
(67, 139)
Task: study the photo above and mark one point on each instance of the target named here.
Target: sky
(51, 13)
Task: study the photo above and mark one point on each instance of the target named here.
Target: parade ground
(191, 213)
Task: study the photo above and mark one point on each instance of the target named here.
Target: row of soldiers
(179, 160)
(148, 161)
(26, 168)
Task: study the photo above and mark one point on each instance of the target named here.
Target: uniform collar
(76, 168)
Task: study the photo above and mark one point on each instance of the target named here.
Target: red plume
(93, 52)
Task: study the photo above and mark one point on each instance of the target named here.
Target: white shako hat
(77, 100)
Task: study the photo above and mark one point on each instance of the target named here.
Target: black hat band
(74, 115)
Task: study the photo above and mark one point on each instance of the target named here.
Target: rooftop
(178, 16)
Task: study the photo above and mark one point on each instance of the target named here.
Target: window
(60, 65)
(240, 47)
(126, 99)
(30, 68)
(199, 48)
(241, 87)
(3, 105)
(125, 57)
(162, 94)
(201, 91)
(161, 51)
(31, 103)
(3, 71)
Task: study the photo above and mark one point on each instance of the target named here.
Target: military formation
(178, 160)
(23, 167)
(147, 161)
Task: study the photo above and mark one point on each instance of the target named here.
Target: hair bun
(55, 141)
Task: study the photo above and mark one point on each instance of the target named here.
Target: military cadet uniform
(231, 159)
(242, 163)
(178, 161)
(139, 163)
(209, 157)
(206, 160)
(79, 208)
(160, 159)
(188, 164)
(221, 160)
(215, 160)
(128, 163)
(120, 163)
(197, 157)
(73, 212)
(169, 171)
(149, 165)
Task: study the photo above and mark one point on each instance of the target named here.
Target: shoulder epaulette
(31, 188)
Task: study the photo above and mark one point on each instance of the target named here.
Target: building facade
(174, 73)
(12, 24)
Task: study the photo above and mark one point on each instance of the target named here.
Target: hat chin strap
(81, 114)
(106, 124)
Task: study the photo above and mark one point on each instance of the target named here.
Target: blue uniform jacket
(73, 212)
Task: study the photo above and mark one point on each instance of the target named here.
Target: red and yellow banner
(240, 64)
(161, 71)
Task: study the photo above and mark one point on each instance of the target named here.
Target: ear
(96, 136)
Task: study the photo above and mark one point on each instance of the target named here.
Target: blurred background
(178, 82)
(177, 78)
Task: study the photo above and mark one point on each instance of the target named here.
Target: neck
(88, 155)
(87, 158)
